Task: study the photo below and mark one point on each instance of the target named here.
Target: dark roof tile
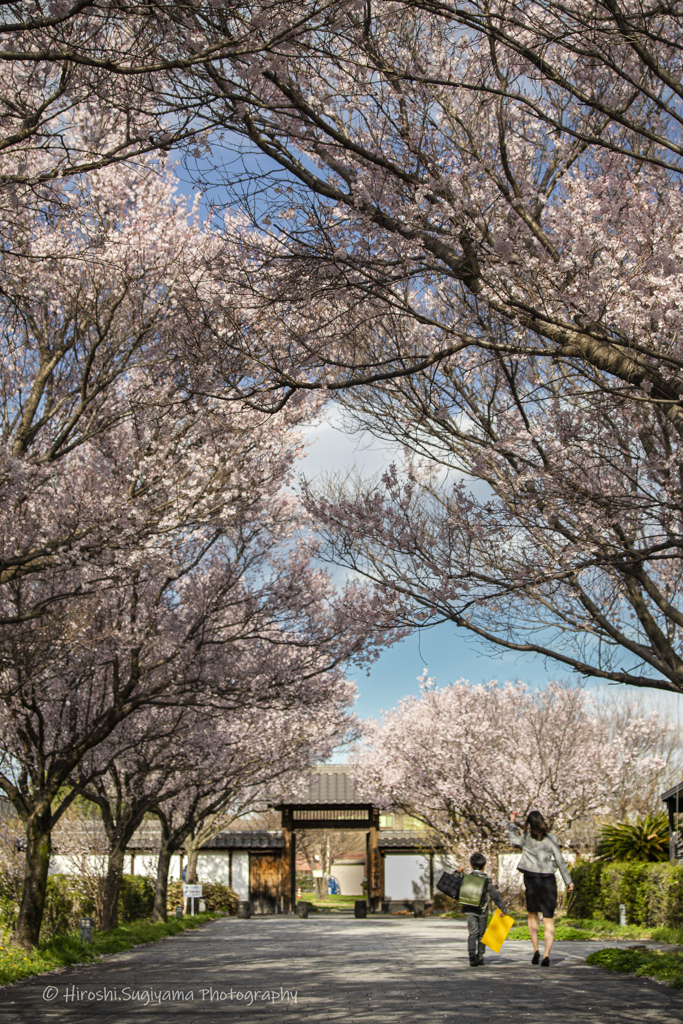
(329, 784)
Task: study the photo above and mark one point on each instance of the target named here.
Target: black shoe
(536, 957)
(474, 961)
(545, 962)
(480, 959)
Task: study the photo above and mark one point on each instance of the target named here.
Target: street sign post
(192, 892)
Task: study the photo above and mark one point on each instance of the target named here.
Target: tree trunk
(161, 889)
(37, 862)
(112, 886)
(192, 855)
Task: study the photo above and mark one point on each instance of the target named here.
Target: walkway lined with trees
(461, 225)
(398, 971)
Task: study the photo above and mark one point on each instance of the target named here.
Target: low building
(673, 800)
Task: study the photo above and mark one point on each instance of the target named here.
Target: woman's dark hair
(535, 823)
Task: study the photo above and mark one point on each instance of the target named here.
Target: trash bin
(243, 908)
(418, 908)
(302, 908)
(178, 912)
(360, 908)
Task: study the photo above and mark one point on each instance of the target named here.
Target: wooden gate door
(264, 882)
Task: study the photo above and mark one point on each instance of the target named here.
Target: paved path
(397, 970)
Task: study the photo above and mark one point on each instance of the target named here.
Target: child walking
(477, 912)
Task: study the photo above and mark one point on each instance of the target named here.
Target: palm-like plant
(646, 840)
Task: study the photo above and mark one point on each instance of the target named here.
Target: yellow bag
(497, 931)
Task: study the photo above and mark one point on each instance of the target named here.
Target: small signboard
(192, 891)
(317, 873)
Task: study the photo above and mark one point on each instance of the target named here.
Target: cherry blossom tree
(128, 73)
(141, 761)
(157, 761)
(256, 757)
(229, 623)
(534, 518)
(145, 531)
(482, 180)
(496, 748)
(496, 189)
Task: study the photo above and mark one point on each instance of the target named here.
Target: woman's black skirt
(541, 893)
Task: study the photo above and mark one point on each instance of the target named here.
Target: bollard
(302, 908)
(86, 930)
(360, 909)
(243, 908)
(622, 915)
(418, 908)
(178, 912)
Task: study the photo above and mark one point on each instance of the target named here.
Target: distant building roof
(146, 837)
(393, 839)
(329, 784)
(257, 839)
(675, 791)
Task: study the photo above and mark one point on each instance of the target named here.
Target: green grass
(650, 963)
(64, 950)
(584, 929)
(330, 902)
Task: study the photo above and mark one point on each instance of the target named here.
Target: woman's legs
(549, 934)
(533, 930)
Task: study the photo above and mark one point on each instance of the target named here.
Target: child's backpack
(449, 884)
(472, 891)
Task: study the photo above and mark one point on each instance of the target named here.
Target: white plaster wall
(406, 876)
(240, 873)
(350, 878)
(144, 864)
(60, 864)
(214, 866)
(444, 862)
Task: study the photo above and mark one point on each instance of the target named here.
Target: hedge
(651, 893)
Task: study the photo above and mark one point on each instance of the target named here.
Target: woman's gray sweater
(542, 856)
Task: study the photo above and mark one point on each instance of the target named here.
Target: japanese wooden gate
(329, 801)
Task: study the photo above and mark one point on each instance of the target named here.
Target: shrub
(10, 895)
(652, 893)
(220, 897)
(442, 904)
(174, 896)
(217, 896)
(136, 897)
(62, 906)
(647, 840)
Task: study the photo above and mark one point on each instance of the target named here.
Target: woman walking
(540, 858)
